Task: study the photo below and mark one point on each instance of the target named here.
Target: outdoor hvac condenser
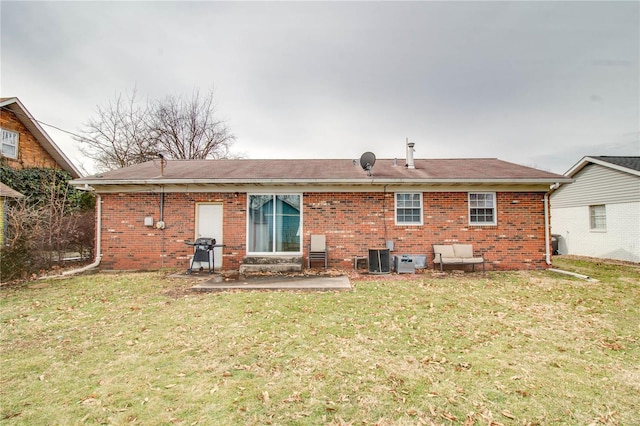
(379, 261)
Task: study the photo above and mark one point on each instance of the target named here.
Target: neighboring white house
(598, 215)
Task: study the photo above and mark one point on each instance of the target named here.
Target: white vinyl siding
(408, 208)
(482, 208)
(598, 215)
(596, 184)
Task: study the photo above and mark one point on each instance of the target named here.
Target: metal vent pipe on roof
(410, 164)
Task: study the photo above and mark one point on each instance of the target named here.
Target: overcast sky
(536, 83)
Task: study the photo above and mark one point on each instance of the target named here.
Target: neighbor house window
(274, 223)
(409, 208)
(482, 208)
(598, 218)
(9, 144)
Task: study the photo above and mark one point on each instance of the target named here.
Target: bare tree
(187, 128)
(119, 134)
(42, 233)
(124, 133)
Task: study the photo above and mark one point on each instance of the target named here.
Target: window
(482, 208)
(9, 144)
(274, 223)
(598, 218)
(409, 208)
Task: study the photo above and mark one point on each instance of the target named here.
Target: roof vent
(410, 164)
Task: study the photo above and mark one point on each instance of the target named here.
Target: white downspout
(98, 242)
(547, 255)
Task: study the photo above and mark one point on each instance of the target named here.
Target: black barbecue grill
(203, 247)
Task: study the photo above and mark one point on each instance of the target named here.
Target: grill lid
(205, 242)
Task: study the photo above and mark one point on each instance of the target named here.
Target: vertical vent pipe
(410, 164)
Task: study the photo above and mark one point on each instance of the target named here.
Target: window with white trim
(9, 144)
(482, 208)
(408, 208)
(598, 218)
(273, 223)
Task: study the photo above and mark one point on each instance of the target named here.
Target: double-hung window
(482, 208)
(408, 208)
(598, 218)
(9, 143)
(273, 224)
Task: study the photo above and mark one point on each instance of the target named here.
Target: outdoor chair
(318, 250)
(456, 254)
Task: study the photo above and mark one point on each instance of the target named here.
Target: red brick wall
(30, 152)
(128, 244)
(517, 242)
(352, 222)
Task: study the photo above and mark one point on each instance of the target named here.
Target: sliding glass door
(274, 223)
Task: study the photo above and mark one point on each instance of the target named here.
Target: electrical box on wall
(148, 221)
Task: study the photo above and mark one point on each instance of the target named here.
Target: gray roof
(627, 164)
(314, 171)
(632, 163)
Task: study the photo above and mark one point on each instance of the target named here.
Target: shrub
(52, 220)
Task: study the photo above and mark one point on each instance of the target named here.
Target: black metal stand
(203, 249)
(201, 255)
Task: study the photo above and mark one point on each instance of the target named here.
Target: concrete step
(257, 264)
(247, 268)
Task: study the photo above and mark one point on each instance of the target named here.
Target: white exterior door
(209, 225)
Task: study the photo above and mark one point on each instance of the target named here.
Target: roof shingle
(632, 163)
(325, 170)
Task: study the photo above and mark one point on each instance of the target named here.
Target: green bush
(38, 183)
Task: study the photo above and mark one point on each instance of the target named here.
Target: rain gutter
(153, 181)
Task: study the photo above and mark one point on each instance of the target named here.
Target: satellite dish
(367, 160)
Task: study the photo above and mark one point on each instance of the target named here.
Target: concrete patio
(217, 282)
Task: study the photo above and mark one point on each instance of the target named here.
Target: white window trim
(495, 209)
(395, 210)
(277, 253)
(17, 139)
(590, 209)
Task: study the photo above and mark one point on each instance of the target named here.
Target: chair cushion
(444, 250)
(463, 250)
(472, 260)
(450, 260)
(318, 243)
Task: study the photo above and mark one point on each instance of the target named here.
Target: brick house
(24, 142)
(268, 209)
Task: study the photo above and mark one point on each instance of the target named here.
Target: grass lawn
(512, 348)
